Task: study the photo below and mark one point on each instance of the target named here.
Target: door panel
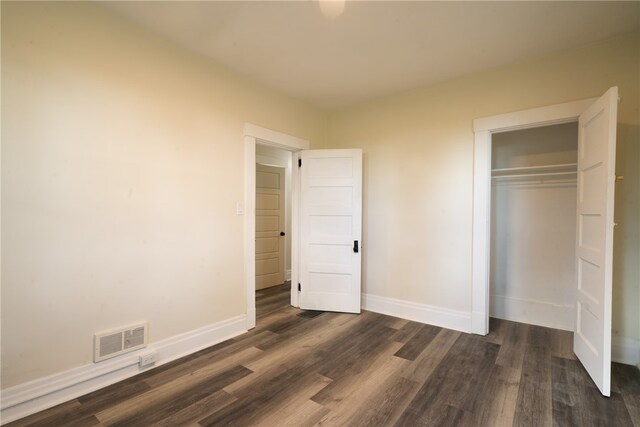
(330, 222)
(269, 223)
(594, 252)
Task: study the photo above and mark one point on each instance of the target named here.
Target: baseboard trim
(287, 275)
(532, 312)
(625, 350)
(423, 313)
(28, 398)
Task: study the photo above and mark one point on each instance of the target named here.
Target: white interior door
(330, 230)
(594, 251)
(269, 226)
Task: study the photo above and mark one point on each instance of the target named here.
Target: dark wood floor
(300, 368)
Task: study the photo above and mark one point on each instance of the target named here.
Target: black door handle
(355, 246)
(282, 233)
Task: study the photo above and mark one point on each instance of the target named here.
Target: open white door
(594, 246)
(330, 230)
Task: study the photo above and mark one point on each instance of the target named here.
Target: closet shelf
(565, 170)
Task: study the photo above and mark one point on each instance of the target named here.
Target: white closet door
(330, 230)
(594, 252)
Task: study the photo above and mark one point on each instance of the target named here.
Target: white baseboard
(423, 313)
(28, 398)
(532, 312)
(287, 275)
(625, 350)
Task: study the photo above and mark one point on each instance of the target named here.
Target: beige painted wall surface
(418, 164)
(122, 162)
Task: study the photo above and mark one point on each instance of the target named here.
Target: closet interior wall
(533, 225)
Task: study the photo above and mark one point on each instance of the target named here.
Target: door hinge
(299, 163)
(299, 287)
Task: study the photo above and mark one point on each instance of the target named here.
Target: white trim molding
(258, 135)
(423, 313)
(625, 350)
(481, 234)
(533, 117)
(275, 139)
(28, 398)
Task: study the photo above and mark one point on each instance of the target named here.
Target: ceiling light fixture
(331, 8)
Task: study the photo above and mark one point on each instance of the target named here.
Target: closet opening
(533, 225)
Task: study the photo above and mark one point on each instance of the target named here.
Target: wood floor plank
(350, 393)
(277, 386)
(406, 332)
(497, 330)
(454, 383)
(241, 352)
(418, 342)
(292, 329)
(497, 405)
(397, 323)
(342, 359)
(200, 409)
(626, 379)
(299, 410)
(562, 344)
(386, 405)
(535, 391)
(474, 369)
(161, 409)
(357, 382)
(513, 344)
(424, 365)
(577, 401)
(169, 398)
(296, 347)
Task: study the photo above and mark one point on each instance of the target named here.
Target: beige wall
(122, 162)
(418, 149)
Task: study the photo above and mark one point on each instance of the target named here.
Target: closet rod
(564, 167)
(532, 175)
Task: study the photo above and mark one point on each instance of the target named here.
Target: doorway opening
(484, 129)
(273, 229)
(533, 225)
(254, 137)
(594, 221)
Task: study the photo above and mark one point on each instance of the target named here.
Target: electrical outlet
(147, 359)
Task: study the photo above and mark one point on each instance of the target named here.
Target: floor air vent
(115, 342)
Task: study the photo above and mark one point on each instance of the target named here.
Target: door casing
(258, 135)
(483, 129)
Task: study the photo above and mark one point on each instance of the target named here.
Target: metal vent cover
(119, 341)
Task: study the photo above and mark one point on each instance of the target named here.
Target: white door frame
(258, 135)
(483, 128)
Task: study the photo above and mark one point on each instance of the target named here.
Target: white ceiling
(375, 47)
